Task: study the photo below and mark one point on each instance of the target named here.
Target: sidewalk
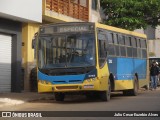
(20, 98)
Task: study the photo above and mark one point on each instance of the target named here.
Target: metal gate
(5, 63)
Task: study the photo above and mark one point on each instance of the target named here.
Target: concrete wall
(157, 32)
(28, 62)
(150, 32)
(21, 10)
(139, 31)
(94, 15)
(154, 46)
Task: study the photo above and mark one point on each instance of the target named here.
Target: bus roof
(64, 23)
(103, 26)
(115, 29)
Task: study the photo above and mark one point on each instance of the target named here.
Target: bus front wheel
(59, 96)
(106, 95)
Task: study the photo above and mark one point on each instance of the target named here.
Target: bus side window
(143, 44)
(102, 43)
(144, 53)
(116, 41)
(121, 39)
(110, 38)
(143, 48)
(123, 51)
(122, 45)
(129, 48)
(134, 42)
(111, 47)
(102, 49)
(138, 48)
(117, 48)
(128, 41)
(134, 45)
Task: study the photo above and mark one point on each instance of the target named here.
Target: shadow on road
(74, 99)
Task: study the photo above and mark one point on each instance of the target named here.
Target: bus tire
(33, 80)
(106, 95)
(112, 82)
(59, 96)
(134, 91)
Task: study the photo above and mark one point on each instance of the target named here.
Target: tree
(131, 14)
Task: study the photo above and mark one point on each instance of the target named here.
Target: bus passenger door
(103, 72)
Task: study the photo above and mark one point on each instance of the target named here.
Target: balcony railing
(68, 8)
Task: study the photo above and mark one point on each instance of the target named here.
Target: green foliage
(131, 14)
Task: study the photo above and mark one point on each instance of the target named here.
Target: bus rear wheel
(134, 91)
(106, 95)
(59, 96)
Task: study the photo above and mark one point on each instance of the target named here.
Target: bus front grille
(66, 87)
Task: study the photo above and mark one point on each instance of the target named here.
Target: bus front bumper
(85, 86)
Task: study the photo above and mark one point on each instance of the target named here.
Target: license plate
(88, 86)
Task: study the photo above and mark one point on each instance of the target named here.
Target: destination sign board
(66, 28)
(72, 28)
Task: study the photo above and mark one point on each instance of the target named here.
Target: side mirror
(106, 53)
(34, 40)
(33, 43)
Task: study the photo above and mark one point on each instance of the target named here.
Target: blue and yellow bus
(91, 59)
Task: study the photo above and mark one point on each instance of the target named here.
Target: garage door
(5, 63)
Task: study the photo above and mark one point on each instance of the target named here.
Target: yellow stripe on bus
(127, 84)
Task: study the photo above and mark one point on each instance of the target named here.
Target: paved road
(145, 101)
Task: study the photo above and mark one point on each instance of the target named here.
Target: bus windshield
(65, 51)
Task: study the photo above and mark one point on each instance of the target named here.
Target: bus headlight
(89, 80)
(46, 82)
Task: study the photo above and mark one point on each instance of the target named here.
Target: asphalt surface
(145, 101)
